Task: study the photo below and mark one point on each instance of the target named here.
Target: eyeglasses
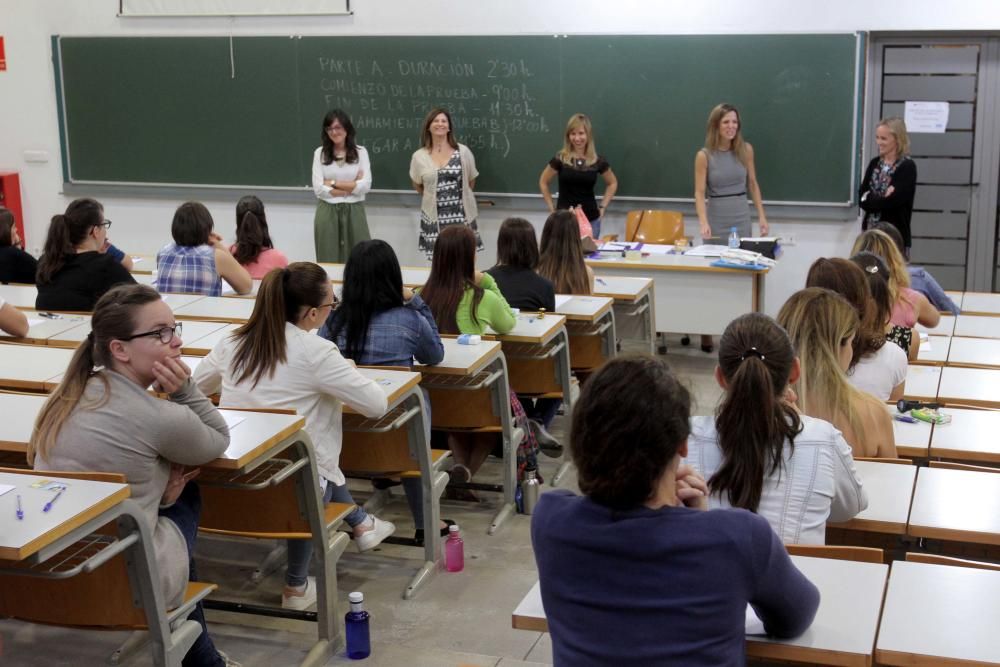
(165, 334)
(106, 224)
(324, 305)
(336, 128)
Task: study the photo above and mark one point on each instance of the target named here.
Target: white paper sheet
(753, 625)
(927, 117)
(233, 419)
(4, 488)
(562, 300)
(707, 250)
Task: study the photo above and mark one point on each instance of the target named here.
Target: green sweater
(493, 311)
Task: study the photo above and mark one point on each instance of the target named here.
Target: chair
(934, 559)
(651, 226)
(859, 554)
(948, 465)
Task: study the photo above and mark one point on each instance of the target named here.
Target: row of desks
(917, 614)
(954, 386)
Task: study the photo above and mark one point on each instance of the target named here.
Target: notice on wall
(928, 117)
(3, 57)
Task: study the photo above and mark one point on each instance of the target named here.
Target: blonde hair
(896, 125)
(713, 137)
(561, 255)
(579, 121)
(819, 321)
(881, 244)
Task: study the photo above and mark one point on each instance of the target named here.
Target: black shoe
(418, 534)
(459, 474)
(708, 348)
(383, 483)
(686, 340)
(546, 441)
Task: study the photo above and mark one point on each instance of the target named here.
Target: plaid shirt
(187, 269)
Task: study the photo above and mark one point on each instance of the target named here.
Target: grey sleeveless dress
(727, 195)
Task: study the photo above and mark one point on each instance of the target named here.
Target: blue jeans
(542, 410)
(184, 513)
(596, 226)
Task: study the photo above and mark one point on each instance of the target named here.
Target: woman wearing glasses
(106, 420)
(273, 361)
(78, 265)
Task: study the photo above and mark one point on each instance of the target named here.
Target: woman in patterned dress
(444, 172)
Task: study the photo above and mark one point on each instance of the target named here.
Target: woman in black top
(890, 181)
(578, 166)
(75, 269)
(16, 266)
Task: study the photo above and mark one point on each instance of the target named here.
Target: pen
(600, 281)
(20, 512)
(49, 504)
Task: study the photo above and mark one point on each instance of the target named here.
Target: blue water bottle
(359, 643)
(734, 238)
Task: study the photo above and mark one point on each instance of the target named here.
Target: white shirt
(818, 481)
(341, 172)
(315, 381)
(879, 373)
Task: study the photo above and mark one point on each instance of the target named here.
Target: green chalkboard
(247, 111)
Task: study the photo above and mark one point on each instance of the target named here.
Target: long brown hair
(252, 237)
(753, 421)
(6, 227)
(453, 270)
(425, 132)
(846, 279)
(113, 318)
(66, 231)
(561, 258)
(713, 135)
(261, 343)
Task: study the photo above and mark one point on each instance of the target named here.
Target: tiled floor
(457, 619)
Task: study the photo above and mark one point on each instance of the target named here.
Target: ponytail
(261, 343)
(252, 238)
(753, 422)
(66, 232)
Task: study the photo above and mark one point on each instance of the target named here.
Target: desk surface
(982, 303)
(395, 384)
(971, 436)
(82, 501)
(958, 505)
(217, 308)
(200, 337)
(845, 624)
(946, 327)
(922, 382)
(667, 263)
(41, 329)
(533, 329)
(413, 276)
(957, 297)
(192, 363)
(176, 301)
(32, 366)
(20, 412)
(977, 326)
(889, 487)
(253, 433)
(462, 359)
(583, 308)
(621, 288)
(971, 386)
(937, 613)
(974, 352)
(19, 296)
(911, 439)
(934, 350)
(143, 263)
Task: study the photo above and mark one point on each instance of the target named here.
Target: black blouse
(576, 184)
(897, 208)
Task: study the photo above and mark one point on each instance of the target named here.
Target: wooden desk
(32, 367)
(970, 386)
(939, 615)
(957, 297)
(922, 382)
(462, 360)
(590, 322)
(229, 292)
(889, 487)
(956, 505)
(143, 263)
(176, 301)
(201, 337)
(19, 296)
(42, 329)
(216, 308)
(970, 437)
(980, 303)
(193, 330)
(933, 351)
(251, 434)
(691, 296)
(530, 328)
(974, 352)
(413, 276)
(977, 326)
(634, 306)
(912, 440)
(843, 632)
(946, 327)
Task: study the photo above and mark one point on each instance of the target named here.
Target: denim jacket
(924, 283)
(395, 337)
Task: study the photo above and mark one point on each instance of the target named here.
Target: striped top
(187, 269)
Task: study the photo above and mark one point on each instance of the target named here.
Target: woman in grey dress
(723, 175)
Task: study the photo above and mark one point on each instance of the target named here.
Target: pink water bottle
(454, 550)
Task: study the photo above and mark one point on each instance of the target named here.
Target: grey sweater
(139, 435)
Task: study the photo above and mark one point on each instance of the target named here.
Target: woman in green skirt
(341, 177)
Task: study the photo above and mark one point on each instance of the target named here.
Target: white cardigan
(818, 483)
(315, 381)
(425, 172)
(346, 172)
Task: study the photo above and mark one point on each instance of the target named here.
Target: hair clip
(871, 268)
(752, 352)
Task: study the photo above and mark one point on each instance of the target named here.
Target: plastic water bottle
(454, 550)
(359, 644)
(529, 490)
(734, 238)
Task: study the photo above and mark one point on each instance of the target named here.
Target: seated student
(12, 320)
(920, 279)
(758, 453)
(633, 572)
(378, 322)
(464, 300)
(197, 260)
(822, 326)
(561, 255)
(106, 420)
(16, 266)
(273, 361)
(514, 273)
(876, 368)
(253, 248)
(75, 269)
(908, 306)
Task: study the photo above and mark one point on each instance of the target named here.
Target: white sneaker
(372, 538)
(229, 662)
(300, 602)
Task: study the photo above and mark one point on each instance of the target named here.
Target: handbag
(586, 231)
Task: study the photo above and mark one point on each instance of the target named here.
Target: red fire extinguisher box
(10, 197)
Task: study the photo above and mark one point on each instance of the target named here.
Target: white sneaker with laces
(372, 538)
(300, 602)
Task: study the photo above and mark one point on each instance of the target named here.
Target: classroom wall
(28, 120)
